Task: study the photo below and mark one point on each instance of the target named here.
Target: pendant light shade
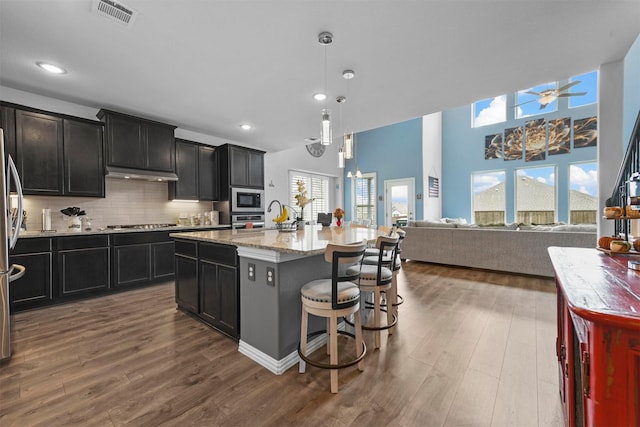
(348, 146)
(349, 174)
(325, 132)
(358, 173)
(341, 159)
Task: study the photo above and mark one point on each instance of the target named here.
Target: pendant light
(347, 141)
(325, 38)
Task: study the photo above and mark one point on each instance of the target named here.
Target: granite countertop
(66, 233)
(311, 240)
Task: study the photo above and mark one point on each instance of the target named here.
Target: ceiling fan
(547, 96)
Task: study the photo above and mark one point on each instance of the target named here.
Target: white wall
(431, 163)
(278, 164)
(610, 135)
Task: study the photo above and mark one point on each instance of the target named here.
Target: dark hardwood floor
(471, 348)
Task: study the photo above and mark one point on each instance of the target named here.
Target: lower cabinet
(83, 264)
(207, 284)
(35, 288)
(140, 258)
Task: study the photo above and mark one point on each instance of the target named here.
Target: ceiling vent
(115, 11)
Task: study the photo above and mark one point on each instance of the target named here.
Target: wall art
(559, 136)
(536, 140)
(585, 132)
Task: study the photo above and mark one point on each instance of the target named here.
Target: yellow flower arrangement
(338, 213)
(302, 199)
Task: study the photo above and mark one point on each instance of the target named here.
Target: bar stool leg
(303, 339)
(390, 309)
(333, 356)
(328, 336)
(376, 316)
(358, 331)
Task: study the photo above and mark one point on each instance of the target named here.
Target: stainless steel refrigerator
(9, 230)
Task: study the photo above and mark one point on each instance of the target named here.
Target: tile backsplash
(126, 202)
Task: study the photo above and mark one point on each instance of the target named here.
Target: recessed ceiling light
(319, 96)
(53, 69)
(245, 127)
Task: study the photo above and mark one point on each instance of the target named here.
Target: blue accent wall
(631, 89)
(392, 152)
(463, 155)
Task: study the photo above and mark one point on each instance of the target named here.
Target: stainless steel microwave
(247, 200)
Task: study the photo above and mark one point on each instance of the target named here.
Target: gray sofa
(503, 249)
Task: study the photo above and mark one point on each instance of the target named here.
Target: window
(583, 184)
(364, 192)
(317, 188)
(589, 84)
(489, 111)
(536, 195)
(537, 100)
(488, 197)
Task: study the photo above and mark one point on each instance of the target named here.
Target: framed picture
(559, 136)
(585, 132)
(493, 146)
(536, 140)
(512, 146)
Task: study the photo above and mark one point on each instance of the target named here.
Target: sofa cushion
(431, 224)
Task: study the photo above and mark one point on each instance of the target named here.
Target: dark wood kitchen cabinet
(186, 267)
(8, 125)
(133, 142)
(36, 287)
(55, 154)
(83, 264)
(207, 284)
(142, 258)
(239, 167)
(196, 167)
(83, 161)
(39, 146)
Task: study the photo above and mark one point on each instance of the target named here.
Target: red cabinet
(598, 345)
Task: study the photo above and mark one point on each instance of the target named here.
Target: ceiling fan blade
(533, 100)
(530, 92)
(568, 85)
(572, 94)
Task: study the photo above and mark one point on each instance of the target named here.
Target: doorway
(399, 201)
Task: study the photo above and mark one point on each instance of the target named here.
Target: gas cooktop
(140, 226)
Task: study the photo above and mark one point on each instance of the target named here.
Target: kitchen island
(271, 269)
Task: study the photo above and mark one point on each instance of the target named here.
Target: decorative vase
(339, 222)
(75, 223)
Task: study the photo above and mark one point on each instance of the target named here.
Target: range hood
(145, 175)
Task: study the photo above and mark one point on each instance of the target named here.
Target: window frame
(555, 190)
(320, 204)
(502, 172)
(585, 162)
(539, 88)
(491, 99)
(373, 207)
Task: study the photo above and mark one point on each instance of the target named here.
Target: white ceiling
(208, 66)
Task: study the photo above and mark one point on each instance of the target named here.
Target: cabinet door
(207, 173)
(160, 144)
(35, 287)
(83, 169)
(239, 166)
(132, 264)
(209, 293)
(187, 283)
(83, 270)
(8, 125)
(256, 169)
(39, 149)
(219, 297)
(162, 255)
(186, 188)
(229, 300)
(125, 143)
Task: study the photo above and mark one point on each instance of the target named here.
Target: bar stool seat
(332, 299)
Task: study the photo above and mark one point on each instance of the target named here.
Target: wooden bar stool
(333, 298)
(378, 279)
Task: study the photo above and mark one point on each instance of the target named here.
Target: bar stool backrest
(384, 244)
(340, 257)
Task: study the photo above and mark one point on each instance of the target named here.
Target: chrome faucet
(271, 204)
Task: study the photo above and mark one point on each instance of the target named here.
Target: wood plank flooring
(471, 348)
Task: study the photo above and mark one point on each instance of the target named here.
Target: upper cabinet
(56, 155)
(240, 167)
(132, 142)
(197, 170)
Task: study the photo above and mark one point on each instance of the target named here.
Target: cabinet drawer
(186, 248)
(83, 242)
(139, 238)
(25, 246)
(221, 254)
